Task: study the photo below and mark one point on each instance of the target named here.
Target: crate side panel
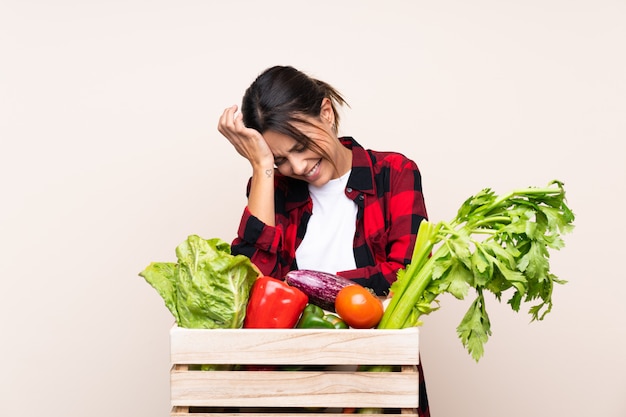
(295, 389)
(411, 413)
(295, 346)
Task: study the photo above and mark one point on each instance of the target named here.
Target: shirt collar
(362, 176)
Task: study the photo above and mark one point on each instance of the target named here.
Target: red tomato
(358, 307)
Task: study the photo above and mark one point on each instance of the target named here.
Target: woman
(315, 200)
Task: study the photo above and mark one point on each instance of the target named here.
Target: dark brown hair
(280, 96)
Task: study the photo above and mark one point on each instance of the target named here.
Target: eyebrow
(296, 145)
(292, 149)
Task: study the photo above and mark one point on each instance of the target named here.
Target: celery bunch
(495, 243)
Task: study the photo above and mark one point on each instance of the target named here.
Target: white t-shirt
(328, 243)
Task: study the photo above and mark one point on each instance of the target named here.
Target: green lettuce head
(208, 287)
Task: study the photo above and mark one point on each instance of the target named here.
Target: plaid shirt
(387, 189)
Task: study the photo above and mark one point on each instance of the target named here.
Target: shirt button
(349, 189)
(361, 197)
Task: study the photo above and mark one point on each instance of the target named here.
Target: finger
(226, 119)
(238, 121)
(220, 122)
(228, 114)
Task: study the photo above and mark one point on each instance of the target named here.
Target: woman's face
(296, 160)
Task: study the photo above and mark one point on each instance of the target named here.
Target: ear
(327, 115)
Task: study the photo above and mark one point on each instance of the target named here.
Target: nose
(298, 165)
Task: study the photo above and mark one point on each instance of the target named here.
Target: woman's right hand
(249, 143)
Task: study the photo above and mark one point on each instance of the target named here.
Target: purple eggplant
(321, 287)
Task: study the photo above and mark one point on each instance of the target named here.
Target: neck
(343, 161)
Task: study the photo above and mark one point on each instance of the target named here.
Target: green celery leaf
(556, 221)
(480, 199)
(460, 249)
(475, 328)
(456, 280)
(504, 255)
(537, 314)
(534, 263)
(515, 301)
(482, 266)
(514, 277)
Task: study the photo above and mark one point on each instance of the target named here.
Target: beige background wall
(110, 157)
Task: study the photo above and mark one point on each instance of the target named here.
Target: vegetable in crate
(208, 287)
(321, 287)
(274, 305)
(314, 317)
(359, 307)
(495, 244)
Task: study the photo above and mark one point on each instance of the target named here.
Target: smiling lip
(314, 172)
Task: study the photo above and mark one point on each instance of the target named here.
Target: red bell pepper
(273, 304)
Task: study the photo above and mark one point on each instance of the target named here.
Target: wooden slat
(294, 346)
(278, 414)
(295, 389)
(272, 393)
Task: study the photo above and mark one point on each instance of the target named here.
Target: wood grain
(327, 379)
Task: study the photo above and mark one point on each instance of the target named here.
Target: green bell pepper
(314, 317)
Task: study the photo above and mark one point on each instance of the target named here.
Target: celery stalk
(495, 244)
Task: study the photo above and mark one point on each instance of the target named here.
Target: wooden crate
(321, 381)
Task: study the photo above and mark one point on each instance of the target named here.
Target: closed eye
(297, 148)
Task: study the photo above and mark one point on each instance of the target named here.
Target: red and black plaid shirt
(386, 187)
